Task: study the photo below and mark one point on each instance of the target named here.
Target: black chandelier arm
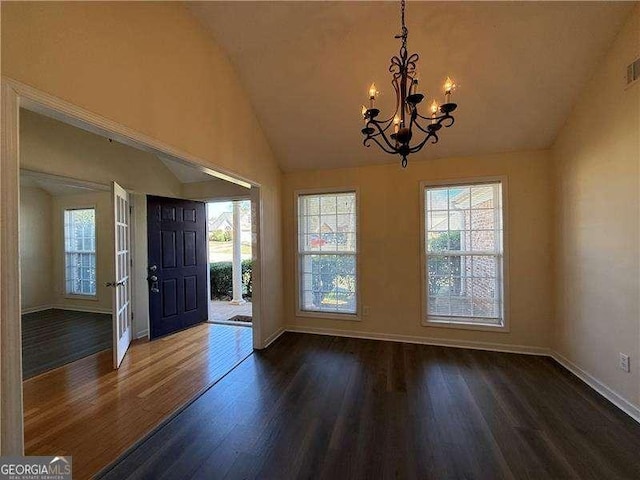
(381, 129)
(382, 134)
(418, 147)
(412, 118)
(369, 138)
(451, 122)
(425, 130)
(414, 121)
(438, 119)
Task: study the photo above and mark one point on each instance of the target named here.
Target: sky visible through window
(215, 209)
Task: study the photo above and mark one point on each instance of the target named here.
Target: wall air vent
(633, 71)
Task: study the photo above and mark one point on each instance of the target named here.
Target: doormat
(240, 318)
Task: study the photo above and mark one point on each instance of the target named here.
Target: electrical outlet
(366, 311)
(624, 363)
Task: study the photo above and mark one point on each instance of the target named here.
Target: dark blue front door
(177, 266)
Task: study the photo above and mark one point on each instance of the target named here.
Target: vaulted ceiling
(306, 67)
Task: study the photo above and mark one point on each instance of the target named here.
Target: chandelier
(406, 119)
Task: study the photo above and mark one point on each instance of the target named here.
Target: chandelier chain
(405, 31)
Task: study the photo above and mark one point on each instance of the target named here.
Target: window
(327, 253)
(464, 254)
(80, 251)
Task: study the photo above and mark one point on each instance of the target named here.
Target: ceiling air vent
(633, 71)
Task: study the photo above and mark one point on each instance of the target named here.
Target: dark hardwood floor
(52, 338)
(315, 406)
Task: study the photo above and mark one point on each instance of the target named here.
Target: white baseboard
(39, 308)
(273, 337)
(142, 334)
(441, 342)
(623, 404)
(73, 308)
(42, 308)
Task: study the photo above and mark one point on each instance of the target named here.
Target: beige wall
(53, 147)
(35, 248)
(140, 285)
(214, 189)
(390, 283)
(597, 239)
(103, 204)
(42, 249)
(153, 68)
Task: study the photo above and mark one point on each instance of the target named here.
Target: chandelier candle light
(406, 116)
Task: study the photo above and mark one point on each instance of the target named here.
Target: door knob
(153, 283)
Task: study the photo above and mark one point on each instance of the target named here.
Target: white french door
(122, 275)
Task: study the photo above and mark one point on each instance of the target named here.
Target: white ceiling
(306, 67)
(55, 186)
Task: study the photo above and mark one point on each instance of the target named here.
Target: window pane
(328, 283)
(437, 241)
(437, 199)
(327, 246)
(458, 240)
(334, 229)
(328, 204)
(482, 196)
(80, 252)
(483, 241)
(459, 219)
(438, 221)
(312, 206)
(459, 198)
(347, 203)
(483, 219)
(462, 220)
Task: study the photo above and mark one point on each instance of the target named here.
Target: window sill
(349, 317)
(446, 323)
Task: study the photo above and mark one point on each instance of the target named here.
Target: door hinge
(130, 209)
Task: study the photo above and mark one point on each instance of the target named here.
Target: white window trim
(78, 296)
(446, 322)
(354, 317)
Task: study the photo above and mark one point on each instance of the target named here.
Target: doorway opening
(64, 238)
(230, 262)
(60, 161)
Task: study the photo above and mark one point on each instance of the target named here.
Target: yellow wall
(153, 68)
(35, 248)
(597, 239)
(103, 204)
(389, 243)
